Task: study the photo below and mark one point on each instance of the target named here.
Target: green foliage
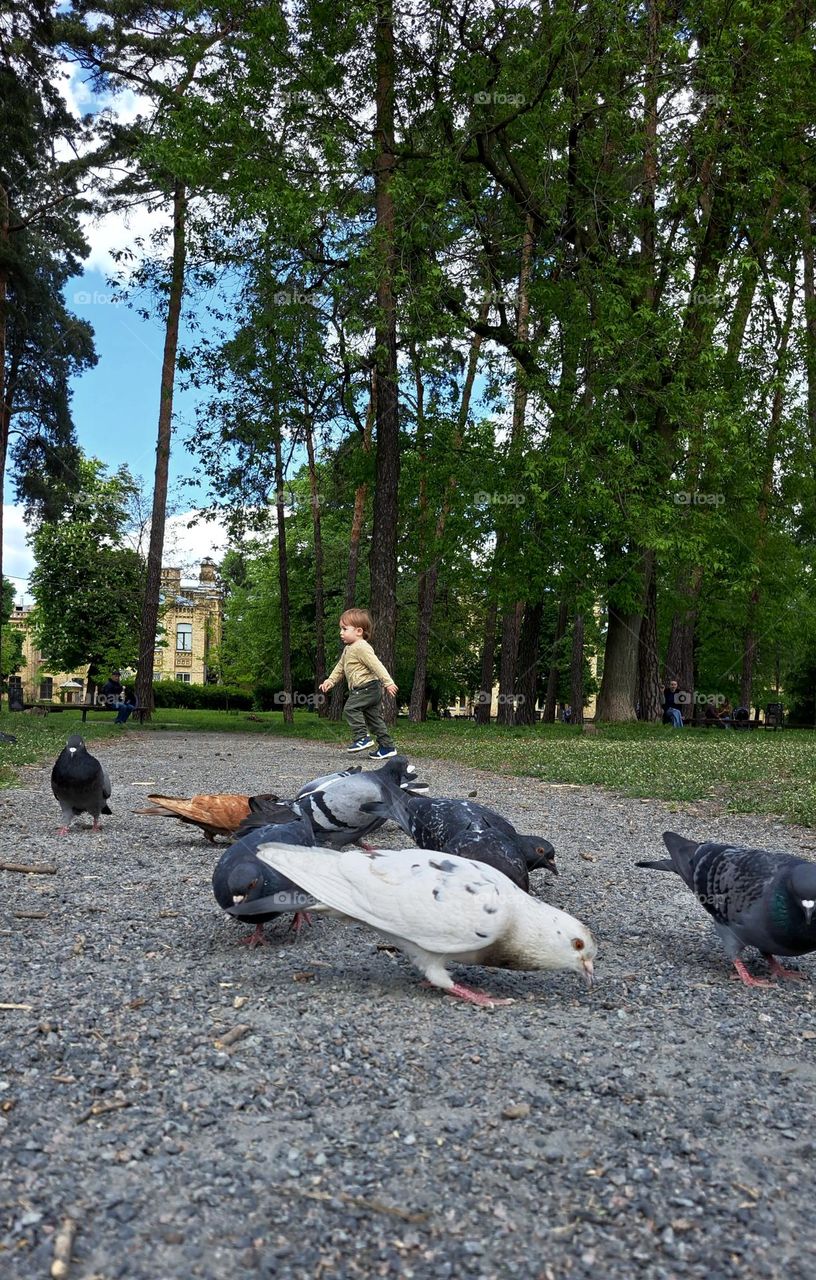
(43, 344)
(87, 582)
(203, 697)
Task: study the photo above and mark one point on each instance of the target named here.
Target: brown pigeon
(216, 815)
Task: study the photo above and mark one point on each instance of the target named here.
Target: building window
(184, 637)
(47, 688)
(183, 676)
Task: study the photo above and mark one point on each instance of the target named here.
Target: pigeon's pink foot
(256, 939)
(300, 918)
(62, 831)
(779, 972)
(745, 976)
(369, 848)
(96, 827)
(474, 997)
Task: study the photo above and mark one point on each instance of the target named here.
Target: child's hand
(392, 689)
(324, 688)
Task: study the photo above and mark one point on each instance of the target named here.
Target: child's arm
(333, 676)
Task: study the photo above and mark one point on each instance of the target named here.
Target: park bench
(45, 708)
(139, 713)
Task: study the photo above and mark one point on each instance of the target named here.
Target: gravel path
(363, 1126)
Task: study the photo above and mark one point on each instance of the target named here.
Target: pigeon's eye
(578, 943)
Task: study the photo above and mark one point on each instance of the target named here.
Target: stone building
(191, 621)
(190, 627)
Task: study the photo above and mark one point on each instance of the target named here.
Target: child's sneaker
(362, 744)
(383, 753)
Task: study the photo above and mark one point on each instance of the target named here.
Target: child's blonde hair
(358, 618)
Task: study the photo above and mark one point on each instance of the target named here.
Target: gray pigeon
(439, 909)
(469, 830)
(79, 783)
(336, 805)
(756, 898)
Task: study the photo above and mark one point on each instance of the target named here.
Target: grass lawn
(755, 772)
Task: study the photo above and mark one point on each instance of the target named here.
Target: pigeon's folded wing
(106, 784)
(226, 810)
(444, 904)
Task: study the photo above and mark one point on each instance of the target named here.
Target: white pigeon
(439, 909)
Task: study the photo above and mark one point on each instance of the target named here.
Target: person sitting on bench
(671, 709)
(112, 694)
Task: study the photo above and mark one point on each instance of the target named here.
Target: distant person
(366, 678)
(113, 694)
(566, 714)
(717, 719)
(671, 707)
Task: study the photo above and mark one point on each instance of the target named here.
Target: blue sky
(115, 409)
(116, 404)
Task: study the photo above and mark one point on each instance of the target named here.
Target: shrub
(201, 697)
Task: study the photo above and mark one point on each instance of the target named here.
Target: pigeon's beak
(589, 971)
(238, 898)
(807, 907)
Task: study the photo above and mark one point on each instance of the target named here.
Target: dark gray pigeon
(250, 890)
(756, 898)
(8, 737)
(335, 804)
(79, 783)
(469, 830)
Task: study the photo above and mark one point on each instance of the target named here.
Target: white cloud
(17, 558)
(183, 548)
(109, 232)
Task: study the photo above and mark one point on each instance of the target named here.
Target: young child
(365, 676)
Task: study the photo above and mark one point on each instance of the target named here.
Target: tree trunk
(5, 405)
(150, 611)
(680, 653)
(616, 699)
(383, 554)
(650, 702)
(577, 695)
(554, 672)
(283, 577)
(427, 573)
(511, 621)
(528, 649)
(319, 597)
(337, 695)
(428, 581)
(484, 697)
(510, 630)
(750, 638)
(810, 321)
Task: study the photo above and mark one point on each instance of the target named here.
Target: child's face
(350, 634)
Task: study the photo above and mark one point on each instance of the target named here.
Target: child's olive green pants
(363, 713)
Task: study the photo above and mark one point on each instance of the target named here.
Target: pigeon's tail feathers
(681, 852)
(659, 864)
(105, 808)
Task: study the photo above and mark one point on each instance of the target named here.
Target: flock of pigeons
(461, 895)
